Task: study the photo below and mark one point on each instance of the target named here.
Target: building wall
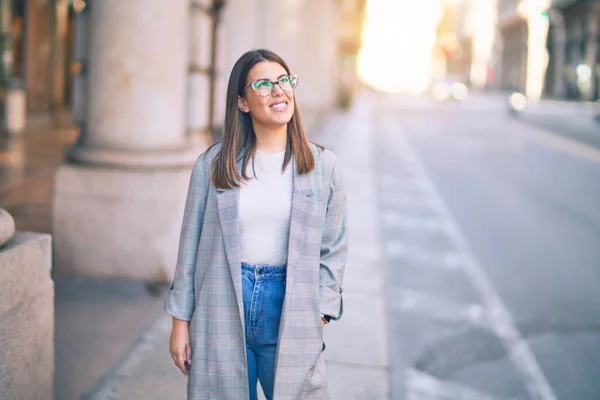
(512, 34)
(581, 23)
(307, 34)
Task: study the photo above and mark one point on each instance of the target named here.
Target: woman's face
(273, 110)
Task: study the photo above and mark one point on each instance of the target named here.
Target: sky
(398, 43)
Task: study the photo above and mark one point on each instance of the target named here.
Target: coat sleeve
(334, 249)
(180, 299)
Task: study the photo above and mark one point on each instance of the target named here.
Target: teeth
(279, 105)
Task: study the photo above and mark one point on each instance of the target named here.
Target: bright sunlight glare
(399, 37)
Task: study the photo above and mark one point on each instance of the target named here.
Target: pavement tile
(97, 322)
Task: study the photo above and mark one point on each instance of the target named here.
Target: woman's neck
(271, 140)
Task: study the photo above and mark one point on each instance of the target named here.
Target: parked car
(449, 88)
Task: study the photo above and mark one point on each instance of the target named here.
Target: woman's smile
(279, 106)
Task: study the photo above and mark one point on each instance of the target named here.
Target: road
(491, 231)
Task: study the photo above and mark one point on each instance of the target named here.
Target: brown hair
(239, 140)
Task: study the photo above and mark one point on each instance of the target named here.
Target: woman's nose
(277, 90)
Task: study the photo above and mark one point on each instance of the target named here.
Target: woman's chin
(279, 121)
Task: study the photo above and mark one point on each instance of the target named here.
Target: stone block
(7, 226)
(118, 223)
(26, 318)
(25, 264)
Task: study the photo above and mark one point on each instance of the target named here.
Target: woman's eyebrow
(267, 79)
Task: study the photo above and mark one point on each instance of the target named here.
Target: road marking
(558, 142)
(440, 309)
(424, 386)
(392, 218)
(409, 183)
(403, 199)
(500, 319)
(419, 257)
(394, 248)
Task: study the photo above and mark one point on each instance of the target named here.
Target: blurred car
(517, 102)
(449, 89)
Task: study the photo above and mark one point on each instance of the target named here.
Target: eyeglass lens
(264, 87)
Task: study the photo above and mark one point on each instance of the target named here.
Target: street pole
(592, 49)
(559, 45)
(217, 5)
(7, 42)
(14, 97)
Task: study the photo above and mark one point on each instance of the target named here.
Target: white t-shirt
(265, 210)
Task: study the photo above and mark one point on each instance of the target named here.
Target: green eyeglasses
(264, 87)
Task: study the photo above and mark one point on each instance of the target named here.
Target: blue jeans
(263, 288)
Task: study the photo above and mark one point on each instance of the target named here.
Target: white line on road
(500, 319)
(405, 221)
(441, 309)
(412, 202)
(424, 386)
(420, 257)
(410, 183)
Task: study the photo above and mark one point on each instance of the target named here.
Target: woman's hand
(181, 350)
(323, 322)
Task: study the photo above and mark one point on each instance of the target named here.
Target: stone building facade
(145, 81)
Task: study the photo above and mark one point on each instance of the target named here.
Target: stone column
(137, 71)
(118, 207)
(26, 313)
(317, 62)
(242, 31)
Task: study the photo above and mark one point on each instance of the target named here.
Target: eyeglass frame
(293, 76)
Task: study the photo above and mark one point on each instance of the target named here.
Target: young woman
(263, 248)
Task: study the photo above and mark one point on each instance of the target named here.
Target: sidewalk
(356, 345)
(571, 120)
(96, 320)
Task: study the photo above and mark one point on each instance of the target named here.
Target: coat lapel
(302, 202)
(302, 207)
(228, 210)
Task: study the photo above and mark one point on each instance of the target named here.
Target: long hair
(239, 139)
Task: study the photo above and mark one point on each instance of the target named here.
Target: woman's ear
(242, 105)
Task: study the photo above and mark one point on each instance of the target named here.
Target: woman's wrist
(179, 323)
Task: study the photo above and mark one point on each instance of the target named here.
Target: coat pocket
(315, 385)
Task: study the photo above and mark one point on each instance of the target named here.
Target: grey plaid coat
(207, 287)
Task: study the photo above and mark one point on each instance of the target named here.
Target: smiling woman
(263, 248)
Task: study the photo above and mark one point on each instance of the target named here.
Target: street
(490, 229)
